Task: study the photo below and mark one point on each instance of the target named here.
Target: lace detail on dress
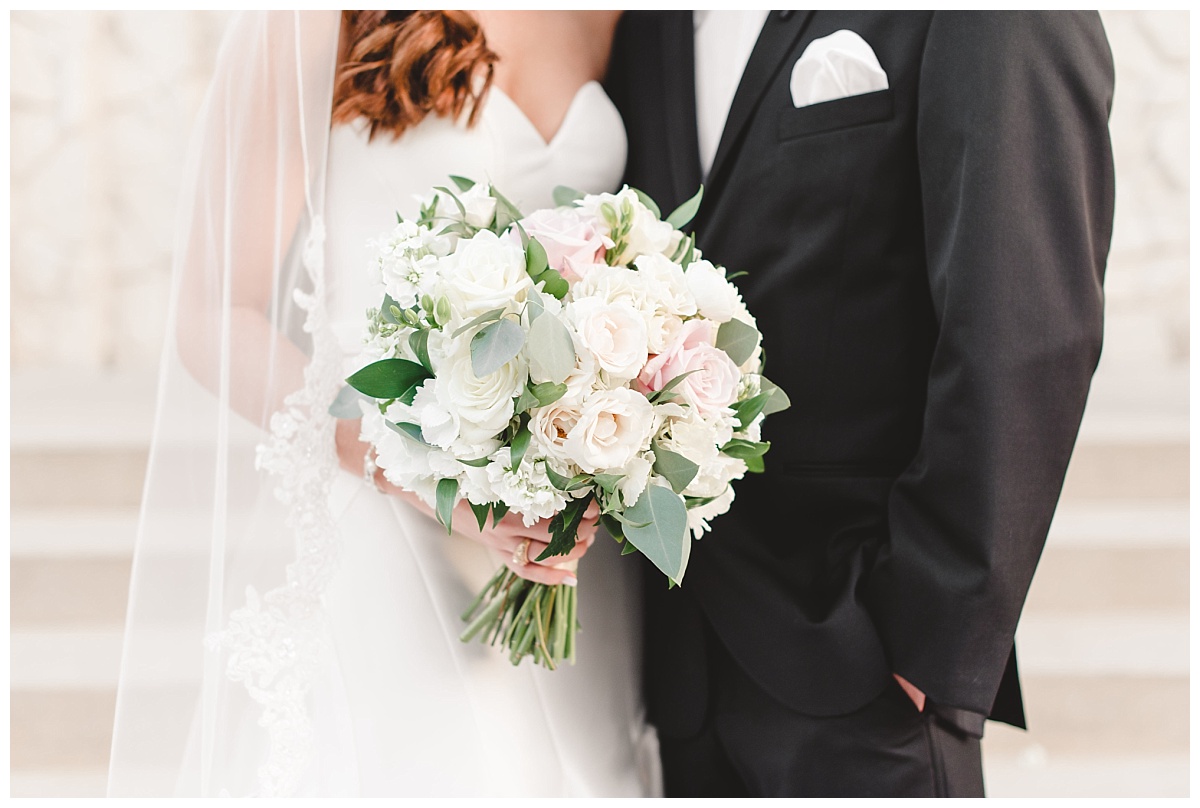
(277, 642)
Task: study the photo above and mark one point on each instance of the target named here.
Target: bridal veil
(235, 545)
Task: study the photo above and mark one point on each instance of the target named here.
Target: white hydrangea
(528, 490)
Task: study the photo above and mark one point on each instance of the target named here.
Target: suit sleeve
(1017, 194)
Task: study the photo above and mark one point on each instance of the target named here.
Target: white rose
(482, 405)
(614, 333)
(485, 272)
(479, 205)
(613, 426)
(670, 286)
(716, 297)
(550, 426)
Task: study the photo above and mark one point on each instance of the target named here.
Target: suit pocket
(840, 113)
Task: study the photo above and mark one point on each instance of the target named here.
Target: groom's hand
(918, 698)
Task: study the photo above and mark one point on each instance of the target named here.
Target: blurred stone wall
(102, 104)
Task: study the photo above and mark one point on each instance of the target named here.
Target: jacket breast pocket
(840, 113)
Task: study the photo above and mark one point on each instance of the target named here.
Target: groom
(922, 203)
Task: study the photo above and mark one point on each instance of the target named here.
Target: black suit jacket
(925, 263)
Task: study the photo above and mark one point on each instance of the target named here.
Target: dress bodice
(370, 180)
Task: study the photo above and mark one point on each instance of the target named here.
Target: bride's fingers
(541, 574)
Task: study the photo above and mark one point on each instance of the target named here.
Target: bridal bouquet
(537, 364)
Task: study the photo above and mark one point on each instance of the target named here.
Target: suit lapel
(679, 82)
(779, 33)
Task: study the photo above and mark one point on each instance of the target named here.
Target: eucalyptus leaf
(609, 482)
(506, 212)
(664, 539)
(547, 393)
(686, 212)
(486, 317)
(738, 340)
(346, 403)
(447, 496)
(778, 402)
(534, 305)
(648, 202)
(408, 430)
(555, 284)
(677, 469)
(551, 350)
(495, 345)
(564, 195)
(419, 342)
(388, 378)
(463, 183)
(536, 261)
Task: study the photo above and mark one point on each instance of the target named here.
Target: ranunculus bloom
(714, 383)
(613, 427)
(573, 242)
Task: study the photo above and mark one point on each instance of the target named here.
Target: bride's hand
(503, 539)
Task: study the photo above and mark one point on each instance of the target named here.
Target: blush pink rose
(714, 383)
(572, 240)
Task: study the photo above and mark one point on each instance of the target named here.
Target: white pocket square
(836, 66)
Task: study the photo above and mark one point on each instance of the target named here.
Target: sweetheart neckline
(567, 116)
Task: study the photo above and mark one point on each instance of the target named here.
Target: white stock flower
(716, 298)
(613, 426)
(407, 261)
(485, 272)
(614, 333)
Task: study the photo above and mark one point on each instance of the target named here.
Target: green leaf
(346, 403)
(666, 393)
(481, 513)
(677, 469)
(526, 401)
(736, 275)
(385, 310)
(486, 317)
(628, 549)
(547, 393)
(463, 183)
(499, 511)
(564, 484)
(535, 305)
(447, 494)
(458, 203)
(520, 444)
(564, 195)
(749, 409)
(408, 430)
(551, 350)
(697, 502)
(495, 345)
(419, 342)
(743, 449)
(778, 402)
(689, 253)
(613, 526)
(686, 212)
(648, 202)
(664, 539)
(755, 465)
(477, 463)
(536, 261)
(564, 528)
(389, 378)
(738, 340)
(608, 482)
(506, 212)
(556, 284)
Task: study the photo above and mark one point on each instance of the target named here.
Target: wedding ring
(521, 554)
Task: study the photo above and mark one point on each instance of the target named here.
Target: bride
(293, 622)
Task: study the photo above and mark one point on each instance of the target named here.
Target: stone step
(1125, 776)
(1075, 579)
(1072, 719)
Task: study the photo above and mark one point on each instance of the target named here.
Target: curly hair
(403, 65)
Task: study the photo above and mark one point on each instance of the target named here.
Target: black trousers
(753, 746)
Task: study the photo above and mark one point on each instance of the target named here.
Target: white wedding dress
(406, 708)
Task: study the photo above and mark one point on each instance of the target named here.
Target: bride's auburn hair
(402, 65)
